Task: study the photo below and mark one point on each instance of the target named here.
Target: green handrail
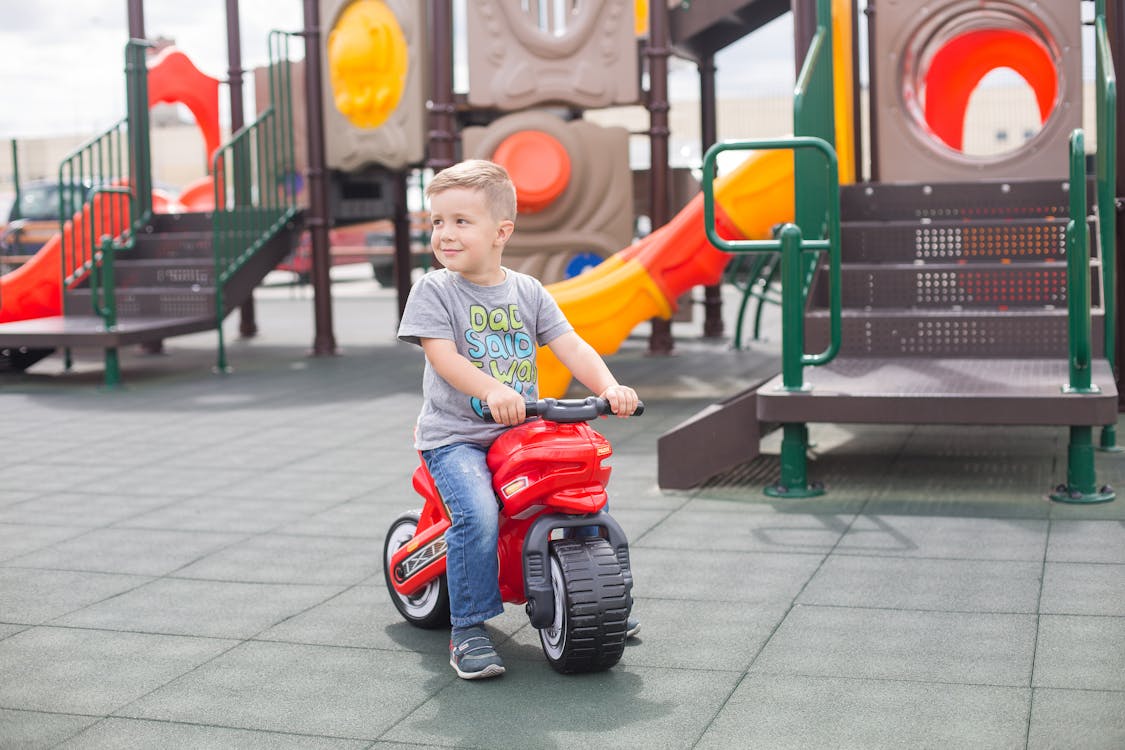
(117, 156)
(1106, 165)
(1078, 271)
(255, 189)
(792, 274)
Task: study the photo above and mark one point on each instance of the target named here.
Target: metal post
(248, 324)
(658, 51)
(15, 213)
(324, 342)
(443, 120)
(709, 135)
(403, 263)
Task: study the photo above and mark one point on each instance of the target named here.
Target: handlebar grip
(566, 410)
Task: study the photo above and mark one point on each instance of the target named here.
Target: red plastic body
(537, 467)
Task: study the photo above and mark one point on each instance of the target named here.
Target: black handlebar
(567, 410)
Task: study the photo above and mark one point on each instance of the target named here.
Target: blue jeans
(471, 566)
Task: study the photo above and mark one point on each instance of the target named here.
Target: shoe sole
(632, 633)
(492, 670)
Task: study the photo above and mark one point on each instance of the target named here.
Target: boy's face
(466, 237)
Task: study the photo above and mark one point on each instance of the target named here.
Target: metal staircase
(968, 303)
(138, 277)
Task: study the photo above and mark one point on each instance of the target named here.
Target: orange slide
(643, 281)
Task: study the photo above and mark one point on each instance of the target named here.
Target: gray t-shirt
(496, 328)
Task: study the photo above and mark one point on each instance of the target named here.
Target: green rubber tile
(968, 648)
(1081, 653)
(312, 690)
(150, 552)
(63, 670)
(136, 733)
(1077, 718)
(211, 609)
(30, 596)
(690, 528)
(1084, 589)
(752, 578)
(946, 537)
(282, 558)
(785, 712)
(624, 707)
(37, 730)
(942, 585)
(1087, 541)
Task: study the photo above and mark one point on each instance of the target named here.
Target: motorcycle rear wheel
(428, 607)
(592, 604)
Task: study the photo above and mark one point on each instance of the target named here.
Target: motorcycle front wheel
(592, 604)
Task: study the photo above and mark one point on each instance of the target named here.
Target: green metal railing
(1081, 482)
(255, 185)
(1106, 165)
(117, 157)
(794, 285)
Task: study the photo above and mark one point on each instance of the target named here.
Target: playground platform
(194, 561)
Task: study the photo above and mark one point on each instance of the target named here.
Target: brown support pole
(709, 132)
(402, 261)
(804, 29)
(247, 325)
(443, 120)
(324, 341)
(658, 51)
(1115, 26)
(136, 11)
(872, 104)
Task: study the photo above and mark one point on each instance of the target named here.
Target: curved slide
(644, 281)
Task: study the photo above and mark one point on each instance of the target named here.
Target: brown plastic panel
(401, 140)
(521, 54)
(594, 212)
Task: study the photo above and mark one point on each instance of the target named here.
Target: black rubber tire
(429, 608)
(384, 275)
(592, 605)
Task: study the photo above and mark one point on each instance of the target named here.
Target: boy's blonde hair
(483, 175)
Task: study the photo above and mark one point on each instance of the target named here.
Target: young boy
(478, 324)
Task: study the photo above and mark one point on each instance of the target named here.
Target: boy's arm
(506, 404)
(587, 365)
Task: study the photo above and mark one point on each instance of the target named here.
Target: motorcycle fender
(536, 557)
(423, 557)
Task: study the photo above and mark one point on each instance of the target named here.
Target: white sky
(62, 61)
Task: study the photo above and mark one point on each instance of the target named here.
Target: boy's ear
(504, 231)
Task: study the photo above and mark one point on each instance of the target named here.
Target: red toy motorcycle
(549, 479)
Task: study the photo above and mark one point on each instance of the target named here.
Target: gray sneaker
(472, 655)
(632, 627)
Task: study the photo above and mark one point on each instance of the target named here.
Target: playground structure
(527, 64)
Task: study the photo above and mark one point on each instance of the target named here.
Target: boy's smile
(466, 237)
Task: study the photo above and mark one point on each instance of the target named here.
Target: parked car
(32, 220)
(370, 242)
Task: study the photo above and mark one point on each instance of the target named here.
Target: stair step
(132, 272)
(167, 245)
(89, 330)
(993, 286)
(946, 333)
(929, 241)
(150, 302)
(906, 390)
(983, 200)
(183, 222)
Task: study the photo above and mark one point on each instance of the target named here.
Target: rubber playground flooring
(193, 560)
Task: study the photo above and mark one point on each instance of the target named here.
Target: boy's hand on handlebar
(622, 399)
(507, 406)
